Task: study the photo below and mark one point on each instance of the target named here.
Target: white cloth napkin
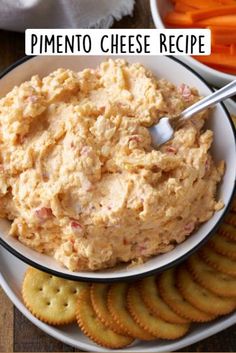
(18, 15)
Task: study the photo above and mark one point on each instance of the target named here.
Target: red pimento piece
(171, 149)
(207, 166)
(185, 91)
(189, 227)
(76, 227)
(44, 213)
(121, 105)
(135, 138)
(142, 249)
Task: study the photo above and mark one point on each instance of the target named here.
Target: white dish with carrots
(219, 16)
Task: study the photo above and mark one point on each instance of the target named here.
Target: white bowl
(223, 148)
(159, 8)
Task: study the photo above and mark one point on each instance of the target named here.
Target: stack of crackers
(157, 307)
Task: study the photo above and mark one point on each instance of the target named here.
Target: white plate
(11, 276)
(222, 149)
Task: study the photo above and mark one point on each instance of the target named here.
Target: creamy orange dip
(79, 178)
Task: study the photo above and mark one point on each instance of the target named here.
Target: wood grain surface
(17, 334)
(6, 323)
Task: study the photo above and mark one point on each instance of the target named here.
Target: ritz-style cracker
(228, 231)
(215, 281)
(202, 298)
(51, 299)
(223, 246)
(172, 296)
(98, 293)
(117, 304)
(93, 328)
(150, 294)
(150, 322)
(218, 262)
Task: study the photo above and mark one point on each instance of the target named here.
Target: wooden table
(17, 334)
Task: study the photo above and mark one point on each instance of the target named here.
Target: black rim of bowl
(146, 273)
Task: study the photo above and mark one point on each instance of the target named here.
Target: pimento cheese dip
(79, 178)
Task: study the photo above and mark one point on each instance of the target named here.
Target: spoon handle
(218, 96)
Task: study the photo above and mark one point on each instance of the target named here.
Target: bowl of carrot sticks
(219, 16)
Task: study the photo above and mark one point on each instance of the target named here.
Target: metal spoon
(163, 131)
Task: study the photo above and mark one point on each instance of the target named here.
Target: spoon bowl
(163, 131)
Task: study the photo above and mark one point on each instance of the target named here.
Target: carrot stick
(227, 2)
(225, 21)
(203, 4)
(181, 7)
(200, 15)
(233, 49)
(178, 19)
(217, 48)
(224, 69)
(222, 29)
(223, 35)
(216, 59)
(224, 38)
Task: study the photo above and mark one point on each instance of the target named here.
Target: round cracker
(93, 328)
(223, 246)
(230, 218)
(227, 231)
(117, 305)
(202, 298)
(172, 297)
(150, 295)
(217, 282)
(217, 261)
(99, 292)
(156, 326)
(51, 299)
